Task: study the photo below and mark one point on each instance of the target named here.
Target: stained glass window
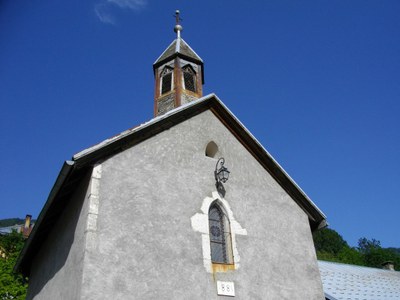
(219, 235)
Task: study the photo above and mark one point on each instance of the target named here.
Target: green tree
(330, 246)
(328, 241)
(365, 245)
(349, 255)
(12, 286)
(374, 255)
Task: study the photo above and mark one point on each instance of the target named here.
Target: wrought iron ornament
(221, 173)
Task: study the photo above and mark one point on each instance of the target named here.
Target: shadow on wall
(57, 268)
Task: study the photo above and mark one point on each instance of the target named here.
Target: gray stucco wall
(57, 268)
(145, 247)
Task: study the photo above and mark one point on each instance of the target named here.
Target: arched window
(166, 80)
(220, 235)
(189, 78)
(211, 149)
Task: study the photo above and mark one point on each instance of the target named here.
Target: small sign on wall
(226, 288)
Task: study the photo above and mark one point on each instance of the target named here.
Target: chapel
(188, 205)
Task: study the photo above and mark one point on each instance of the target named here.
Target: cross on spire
(177, 18)
(178, 28)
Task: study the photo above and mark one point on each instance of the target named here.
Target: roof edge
(198, 56)
(320, 224)
(63, 175)
(166, 49)
(81, 154)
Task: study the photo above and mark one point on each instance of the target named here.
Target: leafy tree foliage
(349, 255)
(12, 286)
(374, 255)
(331, 246)
(329, 241)
(366, 246)
(395, 250)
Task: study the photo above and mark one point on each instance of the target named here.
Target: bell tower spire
(178, 74)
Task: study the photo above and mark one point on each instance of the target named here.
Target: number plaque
(226, 288)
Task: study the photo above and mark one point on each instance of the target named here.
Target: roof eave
(162, 54)
(21, 264)
(316, 216)
(137, 134)
(177, 54)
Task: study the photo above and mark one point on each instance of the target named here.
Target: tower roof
(178, 48)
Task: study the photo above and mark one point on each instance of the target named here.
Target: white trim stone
(93, 208)
(199, 222)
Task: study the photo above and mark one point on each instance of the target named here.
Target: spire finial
(178, 28)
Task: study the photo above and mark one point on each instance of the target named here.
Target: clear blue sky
(316, 82)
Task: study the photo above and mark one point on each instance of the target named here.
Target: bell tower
(178, 74)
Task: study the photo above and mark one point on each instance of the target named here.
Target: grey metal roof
(350, 282)
(178, 46)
